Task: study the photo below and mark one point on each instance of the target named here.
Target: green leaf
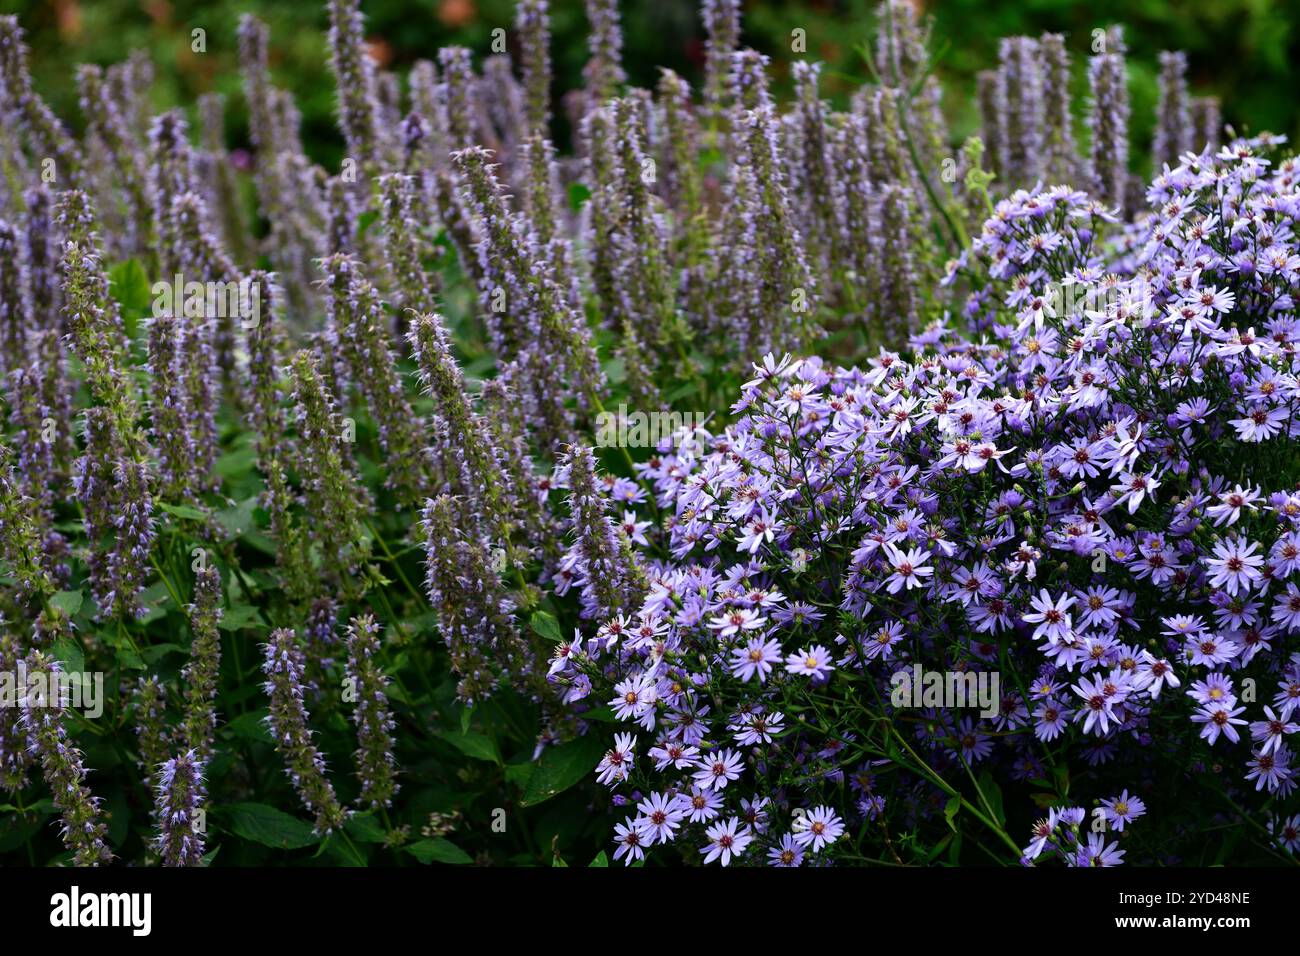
(129, 285)
(546, 626)
(993, 794)
(69, 652)
(251, 726)
(578, 194)
(239, 519)
(438, 850)
(601, 860)
(951, 810)
(267, 826)
(472, 744)
(364, 828)
(69, 602)
(241, 616)
(184, 511)
(561, 767)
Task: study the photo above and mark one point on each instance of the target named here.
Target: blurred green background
(1246, 51)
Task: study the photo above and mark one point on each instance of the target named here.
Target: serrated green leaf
(561, 767)
(69, 602)
(183, 511)
(472, 744)
(545, 625)
(267, 826)
(438, 850)
(241, 616)
(951, 809)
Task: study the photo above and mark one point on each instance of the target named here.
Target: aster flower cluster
(1097, 503)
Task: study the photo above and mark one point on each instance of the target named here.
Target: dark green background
(1247, 51)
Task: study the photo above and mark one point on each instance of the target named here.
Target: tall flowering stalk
(287, 720)
(474, 613)
(50, 142)
(547, 337)
(376, 768)
(1060, 155)
(722, 26)
(83, 830)
(531, 23)
(20, 532)
(178, 798)
(106, 120)
(604, 70)
(1173, 135)
(169, 409)
(457, 96)
(600, 561)
(355, 75)
(469, 461)
(332, 493)
(404, 246)
(16, 324)
(1108, 115)
(1207, 123)
(1022, 94)
(201, 674)
(15, 744)
(362, 330)
(43, 247)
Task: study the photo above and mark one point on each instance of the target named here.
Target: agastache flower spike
(722, 26)
(1022, 90)
(403, 245)
(474, 614)
(603, 73)
(201, 673)
(20, 535)
(1108, 114)
(106, 121)
(45, 134)
(456, 96)
(468, 459)
(1060, 158)
(42, 721)
(179, 796)
(1207, 124)
(355, 75)
(531, 23)
(993, 115)
(333, 494)
(611, 578)
(287, 721)
(43, 248)
(15, 300)
(362, 330)
(169, 410)
(371, 715)
(1173, 135)
(15, 745)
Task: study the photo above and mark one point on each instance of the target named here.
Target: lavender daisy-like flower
(817, 828)
(728, 839)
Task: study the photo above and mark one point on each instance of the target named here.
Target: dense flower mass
(772, 480)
